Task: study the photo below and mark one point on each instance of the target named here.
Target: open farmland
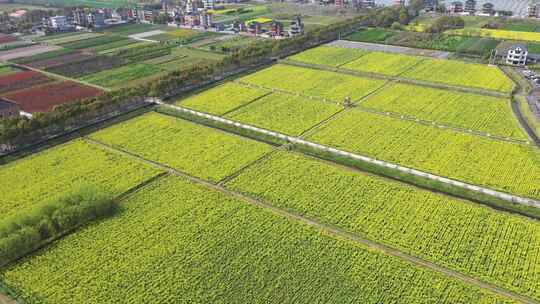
(489, 244)
(330, 85)
(26, 51)
(21, 80)
(133, 28)
(509, 167)
(43, 56)
(52, 172)
(463, 110)
(44, 98)
(64, 39)
(458, 73)
(69, 58)
(6, 69)
(290, 114)
(328, 55)
(500, 34)
(211, 248)
(222, 99)
(122, 76)
(80, 68)
(383, 63)
(93, 42)
(193, 149)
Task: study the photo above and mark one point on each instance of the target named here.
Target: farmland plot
(86, 67)
(93, 42)
(68, 59)
(188, 147)
(499, 34)
(121, 76)
(469, 111)
(504, 166)
(176, 242)
(383, 63)
(41, 176)
(459, 73)
(222, 99)
(285, 113)
(71, 38)
(21, 80)
(328, 55)
(324, 84)
(45, 98)
(495, 246)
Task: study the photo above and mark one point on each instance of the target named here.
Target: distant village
(193, 14)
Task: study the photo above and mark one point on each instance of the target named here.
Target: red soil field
(44, 98)
(21, 80)
(7, 38)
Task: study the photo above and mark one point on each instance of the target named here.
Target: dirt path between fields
(330, 229)
(6, 300)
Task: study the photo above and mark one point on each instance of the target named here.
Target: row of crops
(496, 247)
(505, 166)
(175, 241)
(184, 146)
(297, 100)
(449, 72)
(44, 175)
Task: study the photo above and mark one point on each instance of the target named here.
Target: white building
(58, 22)
(517, 55)
(208, 4)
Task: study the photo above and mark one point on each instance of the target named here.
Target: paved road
(389, 48)
(330, 229)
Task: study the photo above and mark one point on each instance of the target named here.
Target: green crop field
(285, 113)
(41, 176)
(489, 244)
(92, 42)
(374, 35)
(324, 84)
(54, 39)
(122, 76)
(222, 99)
(191, 148)
(383, 63)
(501, 165)
(458, 73)
(469, 111)
(113, 45)
(7, 69)
(133, 28)
(328, 55)
(499, 34)
(176, 242)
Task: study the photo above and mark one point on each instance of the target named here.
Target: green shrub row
(21, 234)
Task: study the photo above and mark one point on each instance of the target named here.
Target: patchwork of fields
(116, 58)
(211, 247)
(208, 215)
(448, 72)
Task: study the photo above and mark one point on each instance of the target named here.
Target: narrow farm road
(524, 96)
(331, 230)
